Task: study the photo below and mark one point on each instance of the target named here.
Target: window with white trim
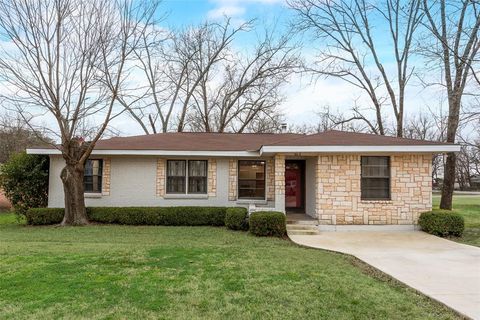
(375, 184)
(186, 177)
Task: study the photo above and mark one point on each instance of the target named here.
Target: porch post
(280, 183)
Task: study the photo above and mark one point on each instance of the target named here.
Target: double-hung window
(187, 176)
(251, 179)
(92, 177)
(375, 182)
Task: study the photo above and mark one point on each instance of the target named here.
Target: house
(339, 178)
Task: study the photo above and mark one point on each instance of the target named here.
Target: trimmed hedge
(268, 223)
(44, 216)
(442, 223)
(236, 218)
(166, 216)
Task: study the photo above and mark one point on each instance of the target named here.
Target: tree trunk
(454, 104)
(448, 182)
(75, 212)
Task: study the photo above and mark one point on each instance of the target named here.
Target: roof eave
(440, 148)
(198, 153)
(266, 150)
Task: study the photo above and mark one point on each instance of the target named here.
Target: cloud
(235, 8)
(228, 10)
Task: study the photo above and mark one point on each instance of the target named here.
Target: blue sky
(303, 98)
(181, 12)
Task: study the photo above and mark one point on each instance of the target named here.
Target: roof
(196, 141)
(254, 144)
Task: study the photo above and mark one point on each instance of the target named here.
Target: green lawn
(469, 208)
(188, 272)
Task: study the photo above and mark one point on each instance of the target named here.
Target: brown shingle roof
(193, 141)
(186, 141)
(343, 138)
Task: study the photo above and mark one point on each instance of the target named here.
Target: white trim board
(360, 149)
(156, 153)
(272, 150)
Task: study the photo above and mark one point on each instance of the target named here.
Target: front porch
(295, 185)
(301, 224)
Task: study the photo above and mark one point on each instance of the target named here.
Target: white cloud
(235, 8)
(228, 10)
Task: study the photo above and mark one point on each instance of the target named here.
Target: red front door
(294, 184)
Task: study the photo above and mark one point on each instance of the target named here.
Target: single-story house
(339, 178)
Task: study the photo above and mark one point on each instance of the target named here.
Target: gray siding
(310, 187)
(133, 183)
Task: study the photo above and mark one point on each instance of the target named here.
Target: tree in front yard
(24, 179)
(66, 61)
(454, 28)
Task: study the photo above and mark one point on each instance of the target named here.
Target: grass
(469, 208)
(188, 273)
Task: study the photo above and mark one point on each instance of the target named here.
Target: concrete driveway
(441, 269)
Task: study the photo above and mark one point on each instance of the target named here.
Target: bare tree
(455, 27)
(197, 81)
(68, 61)
(175, 65)
(248, 93)
(349, 49)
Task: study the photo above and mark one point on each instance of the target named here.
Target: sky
(303, 96)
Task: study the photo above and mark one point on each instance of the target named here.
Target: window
(92, 177)
(197, 176)
(181, 172)
(375, 178)
(251, 179)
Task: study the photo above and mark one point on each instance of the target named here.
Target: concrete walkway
(441, 269)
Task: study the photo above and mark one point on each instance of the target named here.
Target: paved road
(441, 269)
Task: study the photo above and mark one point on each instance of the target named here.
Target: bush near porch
(468, 206)
(442, 223)
(268, 223)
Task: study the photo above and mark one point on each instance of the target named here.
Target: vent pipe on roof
(283, 127)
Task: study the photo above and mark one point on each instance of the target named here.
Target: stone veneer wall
(212, 177)
(338, 191)
(280, 182)
(106, 177)
(270, 180)
(161, 165)
(232, 179)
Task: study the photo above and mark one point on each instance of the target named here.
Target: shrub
(236, 218)
(268, 223)
(24, 179)
(167, 216)
(442, 223)
(43, 216)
